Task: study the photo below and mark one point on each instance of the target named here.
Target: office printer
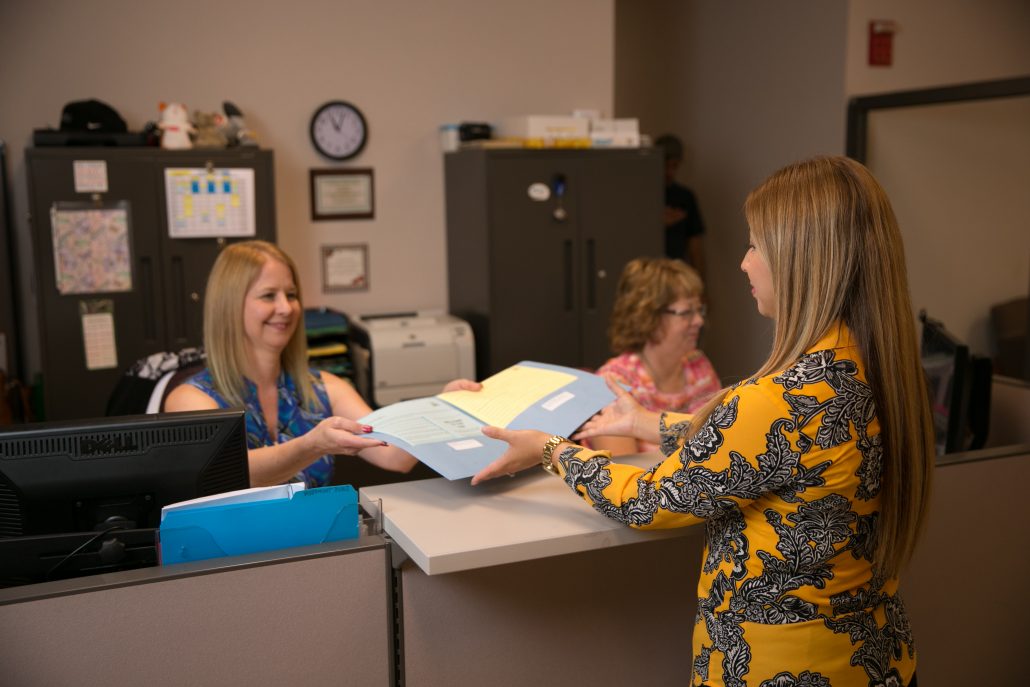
(409, 355)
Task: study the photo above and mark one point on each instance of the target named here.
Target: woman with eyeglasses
(812, 477)
(654, 329)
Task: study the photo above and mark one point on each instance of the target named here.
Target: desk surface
(447, 526)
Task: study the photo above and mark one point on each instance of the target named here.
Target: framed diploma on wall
(345, 268)
(342, 194)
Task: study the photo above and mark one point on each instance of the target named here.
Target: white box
(629, 125)
(544, 127)
(615, 139)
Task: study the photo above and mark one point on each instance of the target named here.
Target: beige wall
(939, 43)
(751, 86)
(958, 176)
(409, 66)
(957, 173)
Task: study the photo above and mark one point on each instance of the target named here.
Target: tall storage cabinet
(9, 357)
(536, 240)
(163, 311)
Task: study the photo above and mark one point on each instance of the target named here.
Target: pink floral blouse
(699, 383)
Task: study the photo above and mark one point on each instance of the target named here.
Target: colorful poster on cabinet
(91, 248)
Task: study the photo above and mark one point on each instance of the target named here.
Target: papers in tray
(444, 431)
(259, 519)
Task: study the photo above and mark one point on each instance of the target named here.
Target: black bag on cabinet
(89, 123)
(91, 115)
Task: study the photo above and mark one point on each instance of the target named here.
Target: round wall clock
(338, 130)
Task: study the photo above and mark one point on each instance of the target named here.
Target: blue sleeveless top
(294, 419)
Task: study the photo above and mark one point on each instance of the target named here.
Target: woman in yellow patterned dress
(812, 476)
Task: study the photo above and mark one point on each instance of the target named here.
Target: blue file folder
(466, 450)
(253, 520)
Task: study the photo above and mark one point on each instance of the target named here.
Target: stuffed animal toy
(175, 127)
(210, 130)
(236, 129)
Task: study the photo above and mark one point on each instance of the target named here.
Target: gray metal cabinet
(536, 240)
(9, 354)
(164, 308)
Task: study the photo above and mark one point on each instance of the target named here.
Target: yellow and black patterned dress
(785, 477)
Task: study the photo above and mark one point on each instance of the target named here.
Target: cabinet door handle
(146, 273)
(179, 301)
(591, 274)
(567, 265)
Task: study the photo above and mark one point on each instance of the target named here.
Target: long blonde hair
(646, 287)
(232, 275)
(828, 232)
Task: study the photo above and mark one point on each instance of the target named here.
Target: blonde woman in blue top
(297, 418)
(812, 476)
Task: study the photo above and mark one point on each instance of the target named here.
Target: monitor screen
(68, 481)
(945, 361)
(960, 389)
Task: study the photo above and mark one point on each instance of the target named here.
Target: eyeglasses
(689, 313)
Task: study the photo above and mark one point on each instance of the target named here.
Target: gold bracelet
(545, 458)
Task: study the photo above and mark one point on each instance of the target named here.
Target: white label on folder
(555, 401)
(464, 445)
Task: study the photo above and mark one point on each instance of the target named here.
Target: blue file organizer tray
(254, 520)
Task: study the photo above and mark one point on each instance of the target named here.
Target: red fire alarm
(881, 41)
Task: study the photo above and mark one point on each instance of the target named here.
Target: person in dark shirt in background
(683, 226)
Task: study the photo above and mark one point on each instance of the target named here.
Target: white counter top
(447, 526)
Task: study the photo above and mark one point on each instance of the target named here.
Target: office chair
(145, 385)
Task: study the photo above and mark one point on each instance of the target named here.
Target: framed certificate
(342, 194)
(345, 268)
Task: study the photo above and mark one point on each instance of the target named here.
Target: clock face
(338, 130)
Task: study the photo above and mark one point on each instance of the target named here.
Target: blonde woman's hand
(525, 449)
(340, 436)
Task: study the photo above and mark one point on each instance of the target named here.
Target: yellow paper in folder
(508, 393)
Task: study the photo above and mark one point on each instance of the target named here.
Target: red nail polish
(367, 428)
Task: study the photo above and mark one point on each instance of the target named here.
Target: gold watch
(545, 458)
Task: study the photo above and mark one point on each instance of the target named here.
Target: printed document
(445, 431)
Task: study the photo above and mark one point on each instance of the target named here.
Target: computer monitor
(72, 483)
(960, 388)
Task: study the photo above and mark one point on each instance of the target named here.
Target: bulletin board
(206, 202)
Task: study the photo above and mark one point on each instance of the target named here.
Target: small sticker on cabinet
(539, 192)
(90, 176)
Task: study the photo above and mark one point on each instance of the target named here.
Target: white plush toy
(175, 127)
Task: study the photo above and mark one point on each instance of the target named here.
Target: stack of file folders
(254, 520)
